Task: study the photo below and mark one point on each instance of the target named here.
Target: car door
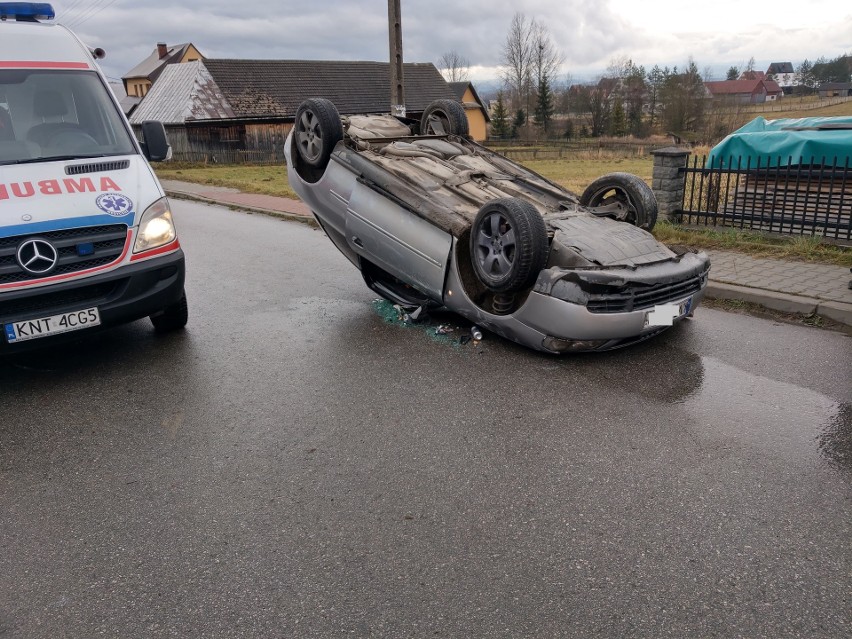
(398, 241)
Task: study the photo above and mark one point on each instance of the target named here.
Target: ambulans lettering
(78, 186)
(55, 187)
(26, 191)
(49, 187)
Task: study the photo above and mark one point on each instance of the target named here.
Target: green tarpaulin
(795, 140)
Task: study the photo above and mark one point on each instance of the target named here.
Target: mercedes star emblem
(37, 256)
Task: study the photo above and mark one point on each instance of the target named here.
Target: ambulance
(87, 238)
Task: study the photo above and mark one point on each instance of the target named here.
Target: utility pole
(396, 74)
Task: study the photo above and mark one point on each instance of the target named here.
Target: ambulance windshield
(57, 114)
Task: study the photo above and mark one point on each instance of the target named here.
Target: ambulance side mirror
(155, 144)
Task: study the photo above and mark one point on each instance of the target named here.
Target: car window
(46, 114)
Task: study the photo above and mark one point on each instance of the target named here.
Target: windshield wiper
(59, 158)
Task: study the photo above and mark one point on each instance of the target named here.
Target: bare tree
(619, 67)
(529, 57)
(546, 58)
(517, 58)
(454, 66)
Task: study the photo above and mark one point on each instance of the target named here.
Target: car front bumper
(123, 295)
(548, 323)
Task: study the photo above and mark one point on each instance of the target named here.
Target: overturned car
(435, 220)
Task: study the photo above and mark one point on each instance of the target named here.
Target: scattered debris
(454, 334)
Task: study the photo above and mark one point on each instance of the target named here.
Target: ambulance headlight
(156, 228)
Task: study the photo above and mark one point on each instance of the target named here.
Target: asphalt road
(292, 465)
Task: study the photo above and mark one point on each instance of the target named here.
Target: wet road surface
(292, 465)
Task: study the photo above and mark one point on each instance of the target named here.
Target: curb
(290, 217)
(784, 302)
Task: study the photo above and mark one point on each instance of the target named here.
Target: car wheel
(318, 130)
(626, 189)
(444, 117)
(508, 245)
(172, 317)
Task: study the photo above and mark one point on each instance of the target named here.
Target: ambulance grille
(78, 249)
(96, 167)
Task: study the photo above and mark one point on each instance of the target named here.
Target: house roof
(153, 65)
(459, 89)
(834, 86)
(183, 92)
(780, 67)
(752, 75)
(275, 88)
(127, 102)
(733, 87)
(772, 87)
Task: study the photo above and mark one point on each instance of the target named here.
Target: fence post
(667, 182)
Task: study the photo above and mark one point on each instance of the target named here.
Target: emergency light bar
(26, 11)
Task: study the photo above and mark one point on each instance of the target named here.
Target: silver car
(435, 220)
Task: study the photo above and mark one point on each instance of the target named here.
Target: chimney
(162, 50)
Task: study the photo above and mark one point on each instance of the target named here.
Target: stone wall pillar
(667, 181)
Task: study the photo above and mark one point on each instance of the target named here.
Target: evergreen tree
(733, 73)
(618, 120)
(635, 95)
(544, 105)
(683, 97)
(520, 120)
(656, 80)
(500, 127)
(806, 77)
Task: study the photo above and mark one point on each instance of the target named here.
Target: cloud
(589, 34)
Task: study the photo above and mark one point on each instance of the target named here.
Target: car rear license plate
(666, 314)
(53, 325)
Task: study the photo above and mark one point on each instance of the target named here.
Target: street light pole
(396, 75)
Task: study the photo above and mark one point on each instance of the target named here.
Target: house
(242, 110)
(745, 91)
(138, 81)
(835, 89)
(474, 107)
(784, 74)
(127, 102)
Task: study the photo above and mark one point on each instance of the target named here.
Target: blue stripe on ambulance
(68, 223)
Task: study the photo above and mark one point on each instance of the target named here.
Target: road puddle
(780, 418)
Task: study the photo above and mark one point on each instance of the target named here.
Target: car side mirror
(155, 144)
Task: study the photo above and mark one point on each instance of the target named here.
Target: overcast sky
(716, 33)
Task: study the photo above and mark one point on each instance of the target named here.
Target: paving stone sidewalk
(784, 285)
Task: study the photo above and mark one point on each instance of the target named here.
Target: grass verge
(802, 248)
(267, 179)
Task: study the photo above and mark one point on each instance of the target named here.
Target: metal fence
(812, 197)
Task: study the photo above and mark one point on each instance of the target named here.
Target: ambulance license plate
(53, 325)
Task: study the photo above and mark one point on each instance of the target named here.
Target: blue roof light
(26, 11)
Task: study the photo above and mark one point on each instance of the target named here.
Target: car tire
(172, 317)
(627, 189)
(318, 129)
(444, 117)
(508, 245)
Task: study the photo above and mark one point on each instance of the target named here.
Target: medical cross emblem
(114, 204)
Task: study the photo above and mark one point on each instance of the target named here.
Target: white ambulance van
(87, 238)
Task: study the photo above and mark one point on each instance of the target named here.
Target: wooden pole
(396, 74)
